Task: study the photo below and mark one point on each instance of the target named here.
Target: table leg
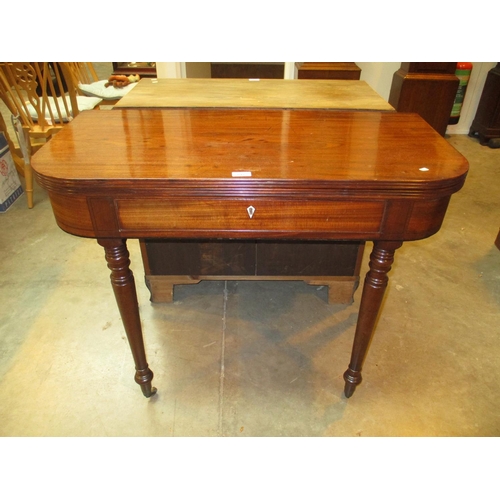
(123, 283)
(381, 260)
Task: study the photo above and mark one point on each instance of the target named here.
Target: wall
(379, 76)
(171, 69)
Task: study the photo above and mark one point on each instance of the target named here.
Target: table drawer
(250, 215)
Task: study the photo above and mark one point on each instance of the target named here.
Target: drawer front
(250, 215)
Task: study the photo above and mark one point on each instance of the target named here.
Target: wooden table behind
(239, 93)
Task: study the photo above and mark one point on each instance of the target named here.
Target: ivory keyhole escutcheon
(251, 211)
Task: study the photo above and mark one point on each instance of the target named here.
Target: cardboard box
(10, 185)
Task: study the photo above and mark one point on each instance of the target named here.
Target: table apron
(250, 215)
(347, 219)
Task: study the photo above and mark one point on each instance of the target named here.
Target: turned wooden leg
(122, 279)
(381, 260)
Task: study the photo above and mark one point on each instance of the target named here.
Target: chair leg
(28, 176)
(18, 163)
(28, 170)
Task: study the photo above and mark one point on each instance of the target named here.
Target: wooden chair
(43, 98)
(87, 83)
(83, 71)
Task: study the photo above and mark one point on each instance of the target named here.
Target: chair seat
(98, 89)
(84, 103)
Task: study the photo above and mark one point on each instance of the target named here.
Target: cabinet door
(199, 258)
(251, 258)
(281, 258)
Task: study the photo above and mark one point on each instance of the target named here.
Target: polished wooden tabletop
(205, 145)
(242, 93)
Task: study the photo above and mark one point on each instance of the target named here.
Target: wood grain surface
(242, 93)
(152, 147)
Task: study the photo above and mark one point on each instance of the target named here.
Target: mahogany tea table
(284, 174)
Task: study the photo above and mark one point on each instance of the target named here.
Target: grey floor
(254, 358)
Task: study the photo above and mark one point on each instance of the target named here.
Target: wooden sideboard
(426, 88)
(328, 71)
(247, 70)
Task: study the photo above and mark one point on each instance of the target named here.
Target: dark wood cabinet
(486, 124)
(328, 71)
(248, 70)
(426, 88)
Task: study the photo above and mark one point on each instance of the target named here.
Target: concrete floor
(254, 358)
